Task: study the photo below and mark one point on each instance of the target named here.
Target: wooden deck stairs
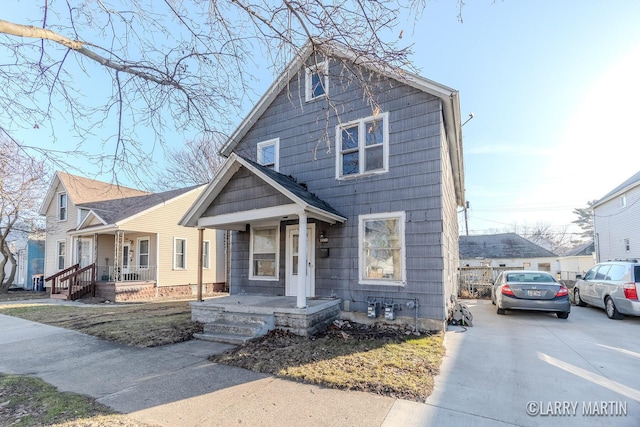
(73, 283)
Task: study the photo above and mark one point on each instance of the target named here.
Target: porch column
(302, 261)
(117, 256)
(200, 250)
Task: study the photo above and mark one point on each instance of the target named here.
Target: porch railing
(61, 276)
(134, 273)
(74, 281)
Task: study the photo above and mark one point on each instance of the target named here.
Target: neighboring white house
(616, 222)
(575, 263)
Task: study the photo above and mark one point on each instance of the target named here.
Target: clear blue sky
(554, 86)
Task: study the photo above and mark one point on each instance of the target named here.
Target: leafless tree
(554, 239)
(22, 184)
(195, 163)
(172, 65)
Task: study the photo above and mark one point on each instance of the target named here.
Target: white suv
(611, 285)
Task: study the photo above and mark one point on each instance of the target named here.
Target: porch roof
(108, 215)
(302, 200)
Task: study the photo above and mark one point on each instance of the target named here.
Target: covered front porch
(238, 318)
(275, 223)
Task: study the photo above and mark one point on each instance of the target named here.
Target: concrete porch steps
(236, 328)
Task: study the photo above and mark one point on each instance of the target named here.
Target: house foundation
(148, 291)
(282, 313)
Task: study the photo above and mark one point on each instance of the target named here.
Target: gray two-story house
(334, 192)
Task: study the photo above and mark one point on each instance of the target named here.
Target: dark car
(611, 285)
(530, 290)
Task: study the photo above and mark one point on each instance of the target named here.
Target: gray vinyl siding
(418, 183)
(613, 224)
(245, 192)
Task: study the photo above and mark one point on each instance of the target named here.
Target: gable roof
(111, 212)
(449, 97)
(634, 181)
(287, 186)
(506, 245)
(85, 190)
(582, 250)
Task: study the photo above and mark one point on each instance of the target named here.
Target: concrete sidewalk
(176, 384)
(489, 376)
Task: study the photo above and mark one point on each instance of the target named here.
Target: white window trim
(175, 239)
(208, 255)
(623, 201)
(361, 146)
(58, 254)
(277, 261)
(148, 239)
(403, 252)
(66, 206)
(322, 67)
(276, 143)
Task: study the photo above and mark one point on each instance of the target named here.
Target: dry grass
(140, 325)
(394, 364)
(349, 356)
(28, 401)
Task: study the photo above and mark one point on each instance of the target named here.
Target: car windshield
(530, 277)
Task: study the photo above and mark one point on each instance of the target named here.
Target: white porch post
(301, 302)
(200, 254)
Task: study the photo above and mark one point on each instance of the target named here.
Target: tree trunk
(7, 280)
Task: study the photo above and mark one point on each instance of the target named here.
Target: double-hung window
(269, 153)
(143, 252)
(62, 206)
(264, 253)
(381, 243)
(179, 254)
(363, 147)
(205, 253)
(316, 81)
(61, 254)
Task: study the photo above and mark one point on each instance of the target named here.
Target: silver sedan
(530, 290)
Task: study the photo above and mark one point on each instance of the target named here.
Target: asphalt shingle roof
(112, 211)
(290, 184)
(507, 245)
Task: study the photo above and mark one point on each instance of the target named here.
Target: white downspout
(301, 301)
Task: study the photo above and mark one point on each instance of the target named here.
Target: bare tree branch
(123, 77)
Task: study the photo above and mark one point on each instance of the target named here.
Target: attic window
(623, 201)
(62, 206)
(268, 153)
(316, 81)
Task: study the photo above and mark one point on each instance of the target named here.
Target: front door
(291, 264)
(84, 252)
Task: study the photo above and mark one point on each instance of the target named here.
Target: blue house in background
(29, 255)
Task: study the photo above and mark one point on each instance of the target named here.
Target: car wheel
(612, 311)
(577, 299)
(562, 314)
(500, 311)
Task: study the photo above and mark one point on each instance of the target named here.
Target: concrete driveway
(533, 369)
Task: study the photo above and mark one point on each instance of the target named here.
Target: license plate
(535, 293)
